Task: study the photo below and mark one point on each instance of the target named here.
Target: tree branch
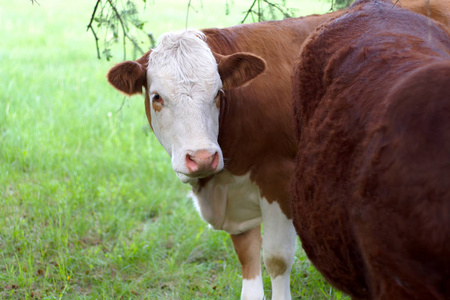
(273, 7)
(92, 28)
(125, 32)
(116, 20)
(113, 7)
(280, 9)
(187, 13)
(112, 18)
(152, 40)
(249, 11)
(93, 13)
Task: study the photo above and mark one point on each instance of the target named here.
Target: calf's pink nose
(202, 161)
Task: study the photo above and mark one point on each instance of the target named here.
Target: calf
(371, 190)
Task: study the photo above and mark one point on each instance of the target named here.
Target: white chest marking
(230, 203)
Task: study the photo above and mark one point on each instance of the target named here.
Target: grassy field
(89, 205)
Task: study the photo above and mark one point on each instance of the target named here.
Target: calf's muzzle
(201, 163)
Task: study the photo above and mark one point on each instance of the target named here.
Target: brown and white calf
(372, 180)
(220, 103)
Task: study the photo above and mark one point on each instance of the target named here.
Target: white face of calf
(183, 80)
(183, 84)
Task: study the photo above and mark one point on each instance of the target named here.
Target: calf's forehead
(167, 80)
(183, 58)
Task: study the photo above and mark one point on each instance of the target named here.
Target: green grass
(89, 205)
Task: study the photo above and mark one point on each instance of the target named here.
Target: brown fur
(156, 106)
(276, 266)
(238, 69)
(248, 248)
(438, 10)
(129, 76)
(372, 179)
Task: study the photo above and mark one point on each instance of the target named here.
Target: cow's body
(372, 179)
(256, 133)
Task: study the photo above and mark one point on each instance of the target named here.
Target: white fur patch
(279, 242)
(252, 289)
(281, 289)
(230, 203)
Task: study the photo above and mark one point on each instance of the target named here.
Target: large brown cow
(232, 138)
(372, 178)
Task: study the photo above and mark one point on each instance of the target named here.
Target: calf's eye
(157, 98)
(157, 102)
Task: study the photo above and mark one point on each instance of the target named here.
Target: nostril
(215, 161)
(191, 164)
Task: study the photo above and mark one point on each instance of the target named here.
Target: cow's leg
(279, 240)
(248, 249)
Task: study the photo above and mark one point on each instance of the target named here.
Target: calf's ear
(129, 76)
(239, 68)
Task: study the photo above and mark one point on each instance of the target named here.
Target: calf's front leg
(279, 241)
(248, 249)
